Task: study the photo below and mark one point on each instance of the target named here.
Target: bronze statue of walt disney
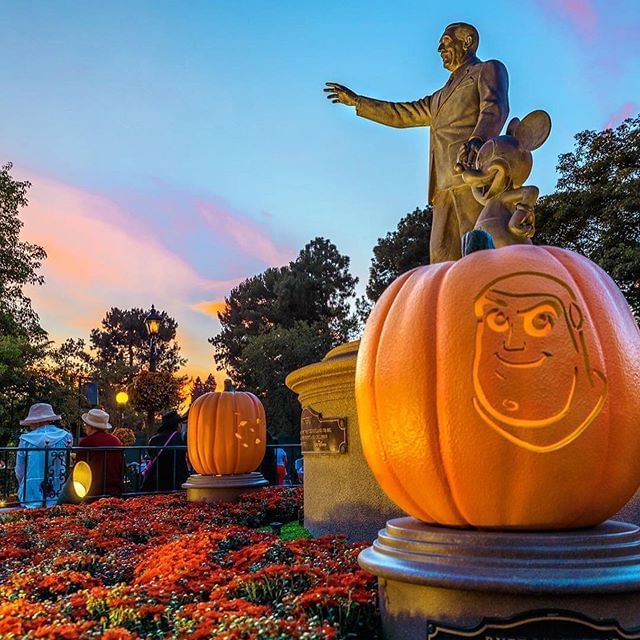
(470, 109)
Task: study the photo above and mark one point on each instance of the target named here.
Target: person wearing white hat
(41, 473)
(107, 465)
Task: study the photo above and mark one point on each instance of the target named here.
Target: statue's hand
(523, 221)
(467, 155)
(338, 93)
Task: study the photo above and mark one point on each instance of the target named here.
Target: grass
(289, 531)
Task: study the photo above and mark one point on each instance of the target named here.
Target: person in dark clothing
(268, 465)
(107, 467)
(168, 467)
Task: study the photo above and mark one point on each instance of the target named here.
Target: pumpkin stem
(476, 240)
(228, 385)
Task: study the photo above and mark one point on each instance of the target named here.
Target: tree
(156, 392)
(63, 372)
(271, 357)
(19, 260)
(595, 209)
(123, 342)
(23, 342)
(19, 381)
(315, 289)
(268, 317)
(399, 251)
(200, 388)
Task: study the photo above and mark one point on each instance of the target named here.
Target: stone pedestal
(631, 511)
(222, 488)
(434, 578)
(340, 492)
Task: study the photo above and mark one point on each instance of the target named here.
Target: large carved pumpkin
(503, 390)
(227, 433)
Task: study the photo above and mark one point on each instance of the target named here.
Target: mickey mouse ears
(532, 131)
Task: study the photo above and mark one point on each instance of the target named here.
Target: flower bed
(162, 567)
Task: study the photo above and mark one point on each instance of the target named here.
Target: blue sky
(176, 148)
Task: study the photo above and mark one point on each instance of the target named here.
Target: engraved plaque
(322, 435)
(536, 625)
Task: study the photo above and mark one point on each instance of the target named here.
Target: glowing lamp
(152, 321)
(122, 397)
(77, 486)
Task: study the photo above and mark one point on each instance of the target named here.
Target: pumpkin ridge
(433, 274)
(398, 486)
(260, 427)
(201, 435)
(236, 432)
(212, 448)
(194, 454)
(409, 280)
(369, 423)
(598, 341)
(558, 257)
(454, 503)
(229, 448)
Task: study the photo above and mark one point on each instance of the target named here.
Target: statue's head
(458, 41)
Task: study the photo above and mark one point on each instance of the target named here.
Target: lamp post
(122, 397)
(153, 321)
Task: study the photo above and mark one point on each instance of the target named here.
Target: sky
(176, 148)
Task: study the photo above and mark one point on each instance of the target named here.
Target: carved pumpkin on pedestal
(503, 391)
(227, 433)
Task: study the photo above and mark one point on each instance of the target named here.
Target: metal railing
(120, 471)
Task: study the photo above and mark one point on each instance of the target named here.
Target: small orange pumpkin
(503, 391)
(227, 433)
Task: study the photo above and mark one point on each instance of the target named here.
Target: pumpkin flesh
(226, 433)
(473, 412)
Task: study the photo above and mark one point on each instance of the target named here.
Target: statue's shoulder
(494, 66)
(492, 72)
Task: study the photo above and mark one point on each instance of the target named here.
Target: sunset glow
(176, 150)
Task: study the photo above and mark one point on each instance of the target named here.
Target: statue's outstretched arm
(393, 114)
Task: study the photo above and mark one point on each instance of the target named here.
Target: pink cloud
(627, 110)
(246, 234)
(100, 255)
(580, 15)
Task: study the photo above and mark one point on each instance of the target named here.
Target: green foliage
(282, 319)
(199, 387)
(595, 209)
(64, 370)
(399, 251)
(269, 358)
(156, 391)
(293, 531)
(23, 342)
(19, 260)
(123, 341)
(122, 346)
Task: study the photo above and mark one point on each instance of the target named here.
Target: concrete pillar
(340, 492)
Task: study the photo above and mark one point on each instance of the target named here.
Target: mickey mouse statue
(501, 167)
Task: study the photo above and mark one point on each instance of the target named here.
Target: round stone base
(225, 488)
(430, 576)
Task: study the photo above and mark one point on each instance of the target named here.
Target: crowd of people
(43, 457)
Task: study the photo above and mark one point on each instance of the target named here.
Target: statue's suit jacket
(473, 103)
